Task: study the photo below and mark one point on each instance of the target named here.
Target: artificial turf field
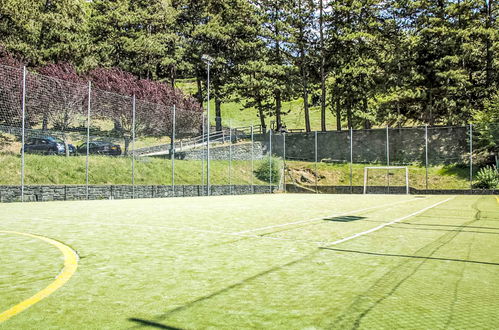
(284, 261)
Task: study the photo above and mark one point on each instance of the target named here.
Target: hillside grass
(235, 115)
(439, 177)
(118, 170)
(158, 171)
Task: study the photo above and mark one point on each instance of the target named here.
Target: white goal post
(367, 168)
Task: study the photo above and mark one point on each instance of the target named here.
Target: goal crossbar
(367, 168)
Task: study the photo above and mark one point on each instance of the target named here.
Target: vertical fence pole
(387, 159)
(351, 160)
(208, 132)
(426, 154)
(202, 155)
(173, 152)
(471, 156)
(270, 160)
(230, 156)
(365, 180)
(23, 133)
(284, 161)
(315, 149)
(252, 160)
(88, 138)
(133, 146)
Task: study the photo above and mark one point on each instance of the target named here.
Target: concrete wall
(76, 192)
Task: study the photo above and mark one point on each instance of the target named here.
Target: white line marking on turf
(324, 217)
(388, 223)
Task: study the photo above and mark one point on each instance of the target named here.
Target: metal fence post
(230, 156)
(284, 161)
(387, 159)
(173, 152)
(88, 138)
(23, 105)
(270, 160)
(351, 160)
(208, 131)
(202, 154)
(133, 146)
(315, 149)
(426, 155)
(471, 156)
(252, 160)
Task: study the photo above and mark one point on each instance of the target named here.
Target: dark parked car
(100, 148)
(47, 145)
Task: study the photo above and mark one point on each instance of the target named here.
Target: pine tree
(45, 31)
(136, 36)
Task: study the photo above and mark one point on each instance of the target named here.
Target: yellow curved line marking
(70, 265)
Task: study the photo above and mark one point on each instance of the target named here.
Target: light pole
(208, 60)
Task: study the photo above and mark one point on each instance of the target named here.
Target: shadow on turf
(152, 324)
(410, 256)
(457, 230)
(345, 218)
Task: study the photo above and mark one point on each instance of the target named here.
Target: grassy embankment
(117, 170)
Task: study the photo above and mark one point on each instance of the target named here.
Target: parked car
(47, 145)
(100, 148)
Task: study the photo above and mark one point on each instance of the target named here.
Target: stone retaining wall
(240, 151)
(384, 190)
(78, 192)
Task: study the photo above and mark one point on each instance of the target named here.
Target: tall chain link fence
(65, 140)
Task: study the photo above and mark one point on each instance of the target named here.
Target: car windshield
(53, 139)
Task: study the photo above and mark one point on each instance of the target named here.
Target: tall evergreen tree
(137, 36)
(302, 21)
(45, 31)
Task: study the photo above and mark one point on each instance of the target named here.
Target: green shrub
(487, 178)
(262, 172)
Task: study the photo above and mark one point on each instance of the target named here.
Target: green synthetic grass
(180, 263)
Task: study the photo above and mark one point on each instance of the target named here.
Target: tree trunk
(488, 45)
(218, 110)
(262, 116)
(336, 102)
(66, 144)
(173, 72)
(127, 144)
(45, 122)
(323, 75)
(349, 114)
(199, 94)
(367, 123)
(278, 96)
(278, 107)
(429, 109)
(305, 106)
(304, 79)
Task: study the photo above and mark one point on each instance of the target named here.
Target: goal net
(386, 178)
